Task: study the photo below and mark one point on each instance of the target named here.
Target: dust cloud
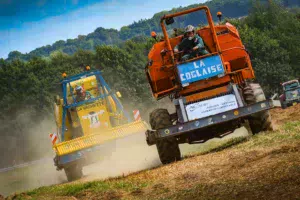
(30, 177)
(132, 154)
(119, 157)
(129, 154)
(122, 157)
(25, 137)
(27, 147)
(116, 158)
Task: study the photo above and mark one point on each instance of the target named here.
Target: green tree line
(272, 36)
(101, 36)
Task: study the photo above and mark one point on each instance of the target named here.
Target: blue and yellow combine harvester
(83, 126)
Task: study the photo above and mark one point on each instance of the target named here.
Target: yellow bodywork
(98, 138)
(93, 120)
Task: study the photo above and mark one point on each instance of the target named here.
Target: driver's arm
(176, 49)
(89, 95)
(199, 43)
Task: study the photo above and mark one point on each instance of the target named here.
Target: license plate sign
(211, 107)
(200, 69)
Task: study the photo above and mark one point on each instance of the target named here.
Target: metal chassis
(152, 136)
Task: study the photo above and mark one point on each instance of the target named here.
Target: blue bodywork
(200, 69)
(78, 155)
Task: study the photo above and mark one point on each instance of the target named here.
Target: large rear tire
(261, 121)
(168, 149)
(73, 172)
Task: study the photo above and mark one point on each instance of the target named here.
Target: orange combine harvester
(213, 94)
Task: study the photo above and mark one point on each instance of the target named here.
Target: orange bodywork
(206, 94)
(223, 40)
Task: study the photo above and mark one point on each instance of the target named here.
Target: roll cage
(65, 83)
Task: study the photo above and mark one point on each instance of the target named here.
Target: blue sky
(28, 24)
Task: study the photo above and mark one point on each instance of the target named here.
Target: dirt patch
(108, 195)
(280, 116)
(22, 196)
(229, 175)
(137, 192)
(122, 157)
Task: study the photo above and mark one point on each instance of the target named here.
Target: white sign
(211, 107)
(94, 118)
(201, 69)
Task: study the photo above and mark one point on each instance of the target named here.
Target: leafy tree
(15, 55)
(271, 34)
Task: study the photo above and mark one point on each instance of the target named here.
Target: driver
(82, 95)
(191, 45)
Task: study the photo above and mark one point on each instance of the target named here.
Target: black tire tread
(261, 121)
(73, 172)
(168, 149)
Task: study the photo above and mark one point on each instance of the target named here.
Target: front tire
(73, 172)
(168, 148)
(283, 105)
(261, 121)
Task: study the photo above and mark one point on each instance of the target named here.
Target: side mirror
(118, 94)
(169, 20)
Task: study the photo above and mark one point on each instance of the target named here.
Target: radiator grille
(203, 99)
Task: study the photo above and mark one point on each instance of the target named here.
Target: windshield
(196, 19)
(291, 86)
(190, 35)
(83, 89)
(293, 94)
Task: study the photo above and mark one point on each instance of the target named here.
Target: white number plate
(211, 107)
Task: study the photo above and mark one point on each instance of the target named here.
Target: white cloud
(109, 14)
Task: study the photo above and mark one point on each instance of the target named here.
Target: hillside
(265, 166)
(101, 36)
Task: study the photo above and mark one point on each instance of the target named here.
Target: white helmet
(78, 88)
(189, 28)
